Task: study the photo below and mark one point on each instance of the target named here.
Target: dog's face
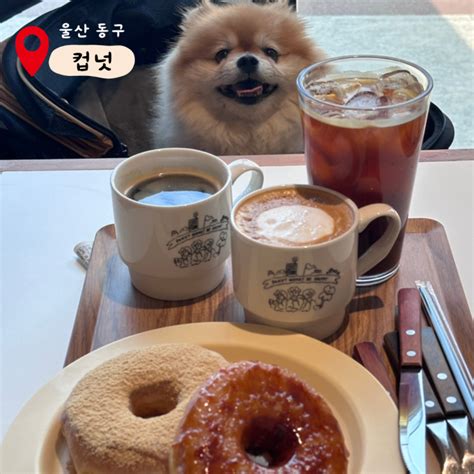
(240, 61)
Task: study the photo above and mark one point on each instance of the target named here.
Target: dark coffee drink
(294, 217)
(377, 159)
(363, 130)
(173, 189)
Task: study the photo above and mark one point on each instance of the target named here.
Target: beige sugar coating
(102, 432)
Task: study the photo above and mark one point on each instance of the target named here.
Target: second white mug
(295, 261)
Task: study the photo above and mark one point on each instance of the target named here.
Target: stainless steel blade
(461, 431)
(412, 422)
(439, 433)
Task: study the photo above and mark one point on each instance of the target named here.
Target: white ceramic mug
(176, 252)
(306, 288)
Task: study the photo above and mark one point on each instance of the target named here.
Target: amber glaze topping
(253, 409)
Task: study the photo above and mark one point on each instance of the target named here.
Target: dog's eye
(222, 54)
(272, 53)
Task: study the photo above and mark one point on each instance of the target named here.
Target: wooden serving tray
(110, 308)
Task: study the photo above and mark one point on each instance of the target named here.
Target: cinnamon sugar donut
(122, 416)
(257, 418)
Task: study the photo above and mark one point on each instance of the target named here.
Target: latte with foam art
(294, 217)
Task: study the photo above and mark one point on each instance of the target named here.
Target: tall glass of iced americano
(363, 119)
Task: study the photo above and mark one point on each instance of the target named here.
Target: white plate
(366, 413)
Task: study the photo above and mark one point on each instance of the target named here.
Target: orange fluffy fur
(178, 103)
(191, 110)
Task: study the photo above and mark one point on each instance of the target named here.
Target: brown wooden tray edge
(85, 332)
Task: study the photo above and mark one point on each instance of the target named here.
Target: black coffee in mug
(173, 189)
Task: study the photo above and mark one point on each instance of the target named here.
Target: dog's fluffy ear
(190, 14)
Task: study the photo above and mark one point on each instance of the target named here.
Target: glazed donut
(257, 418)
(122, 416)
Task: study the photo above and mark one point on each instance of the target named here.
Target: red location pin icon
(32, 60)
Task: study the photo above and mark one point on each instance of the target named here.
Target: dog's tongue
(253, 91)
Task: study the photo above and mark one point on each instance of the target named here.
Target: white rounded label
(106, 62)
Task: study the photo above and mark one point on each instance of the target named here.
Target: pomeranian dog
(229, 85)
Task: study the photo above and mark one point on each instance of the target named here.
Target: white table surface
(44, 214)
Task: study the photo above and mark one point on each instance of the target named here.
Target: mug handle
(381, 248)
(240, 167)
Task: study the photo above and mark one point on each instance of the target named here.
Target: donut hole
(154, 400)
(269, 442)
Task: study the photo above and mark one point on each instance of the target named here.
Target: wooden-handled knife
(449, 395)
(367, 355)
(412, 419)
(436, 422)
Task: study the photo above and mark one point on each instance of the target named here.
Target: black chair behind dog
(36, 119)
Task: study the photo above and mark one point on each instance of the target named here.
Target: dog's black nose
(247, 63)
